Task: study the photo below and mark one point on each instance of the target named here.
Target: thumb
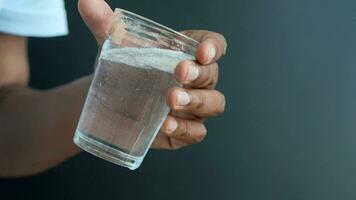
(97, 15)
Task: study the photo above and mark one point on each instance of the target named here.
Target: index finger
(212, 45)
(97, 14)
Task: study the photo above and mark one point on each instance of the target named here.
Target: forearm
(36, 127)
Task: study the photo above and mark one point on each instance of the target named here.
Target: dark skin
(37, 126)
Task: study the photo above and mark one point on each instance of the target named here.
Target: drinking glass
(126, 103)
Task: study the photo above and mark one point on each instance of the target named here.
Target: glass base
(106, 152)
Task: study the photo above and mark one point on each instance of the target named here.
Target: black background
(289, 130)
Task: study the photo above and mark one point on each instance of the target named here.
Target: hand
(198, 98)
(190, 104)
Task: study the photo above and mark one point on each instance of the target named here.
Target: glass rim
(144, 19)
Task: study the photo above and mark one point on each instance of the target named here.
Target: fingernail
(211, 53)
(183, 98)
(172, 126)
(193, 73)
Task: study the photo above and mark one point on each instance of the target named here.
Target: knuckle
(199, 103)
(208, 78)
(184, 127)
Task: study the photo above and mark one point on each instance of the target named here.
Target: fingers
(201, 103)
(183, 132)
(193, 75)
(97, 14)
(212, 45)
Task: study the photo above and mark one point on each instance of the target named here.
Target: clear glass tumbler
(126, 103)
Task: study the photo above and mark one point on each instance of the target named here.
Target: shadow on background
(289, 130)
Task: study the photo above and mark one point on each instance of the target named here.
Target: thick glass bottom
(106, 152)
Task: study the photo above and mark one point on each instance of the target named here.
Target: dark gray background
(289, 130)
